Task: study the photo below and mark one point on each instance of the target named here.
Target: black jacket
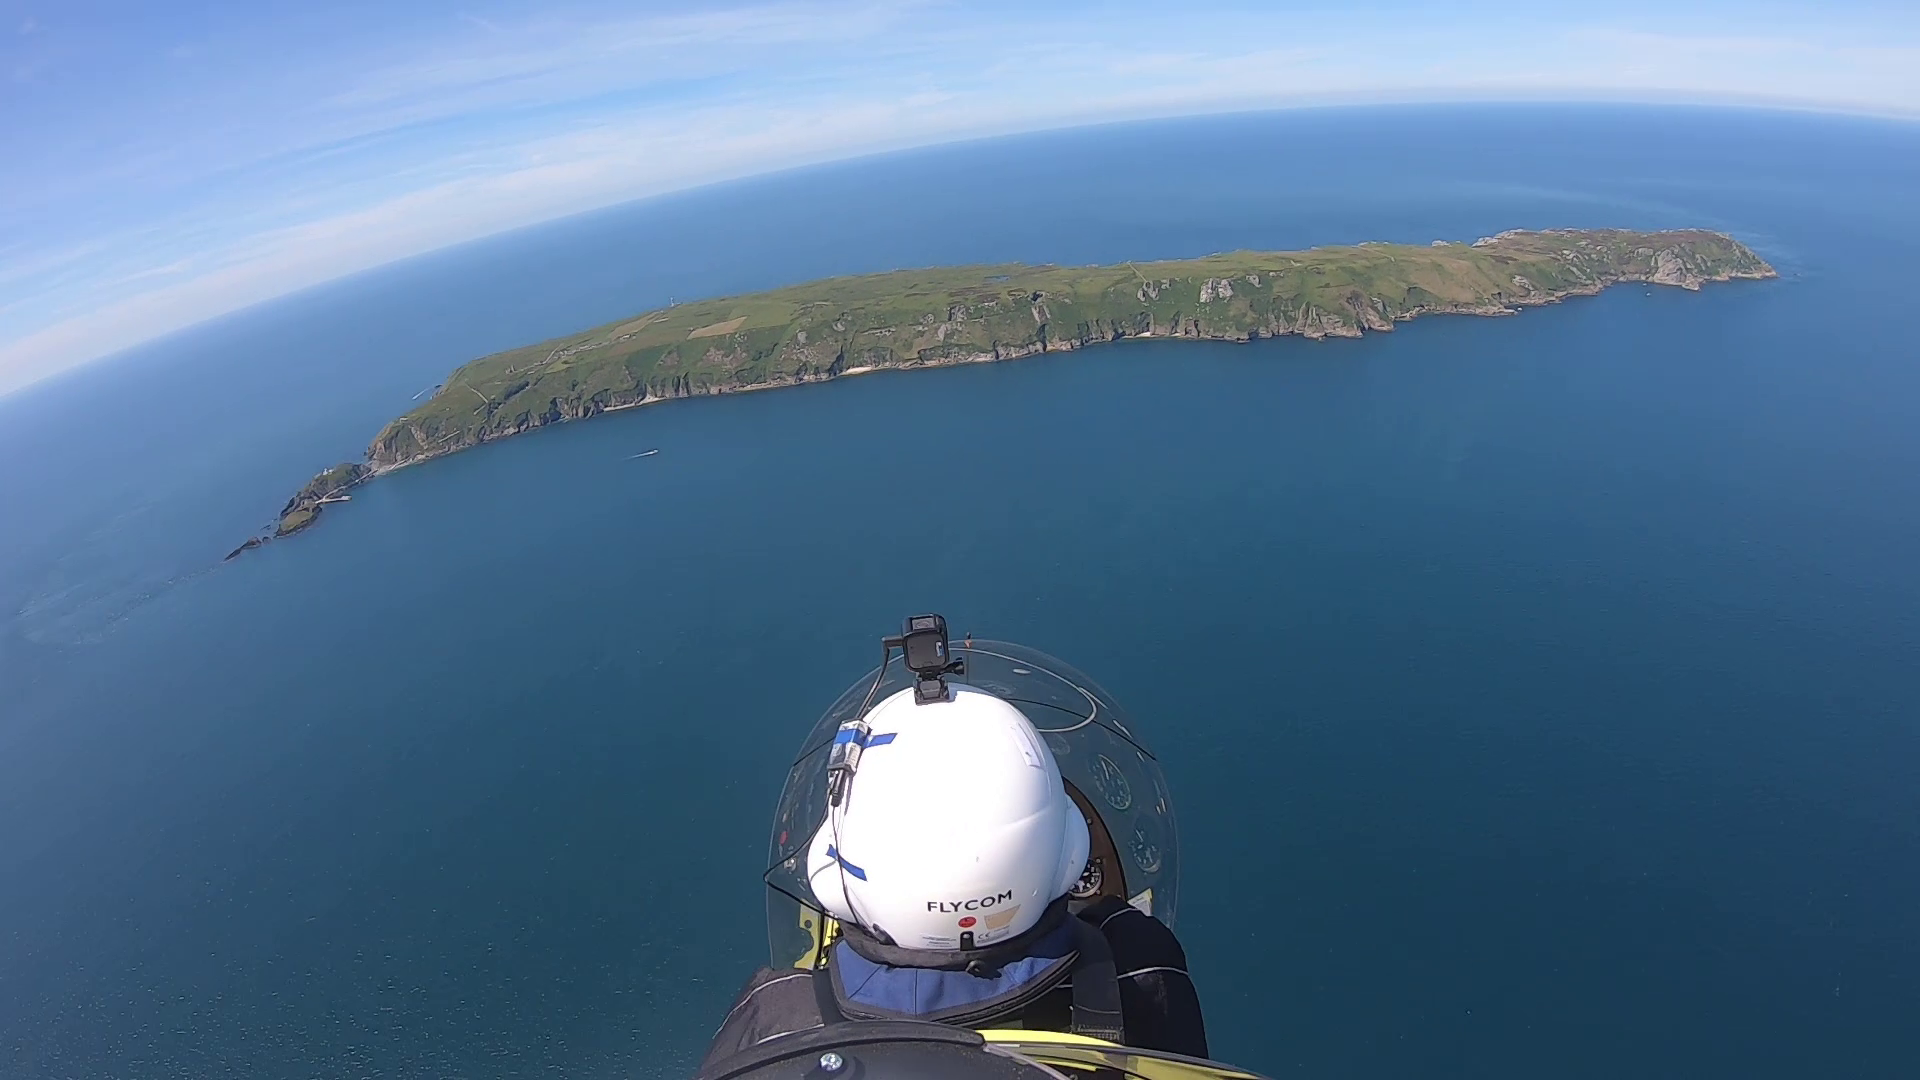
(1159, 1007)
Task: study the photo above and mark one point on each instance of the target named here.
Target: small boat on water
(644, 453)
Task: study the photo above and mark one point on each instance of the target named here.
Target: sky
(163, 164)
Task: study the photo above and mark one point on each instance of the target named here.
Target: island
(968, 314)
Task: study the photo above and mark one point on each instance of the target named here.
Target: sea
(1540, 695)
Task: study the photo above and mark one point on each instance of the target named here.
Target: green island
(967, 314)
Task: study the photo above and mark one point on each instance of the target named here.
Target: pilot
(949, 862)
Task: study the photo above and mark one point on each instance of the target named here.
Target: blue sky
(161, 164)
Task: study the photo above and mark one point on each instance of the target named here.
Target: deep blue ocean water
(1539, 694)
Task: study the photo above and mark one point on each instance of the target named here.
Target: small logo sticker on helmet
(999, 919)
(968, 921)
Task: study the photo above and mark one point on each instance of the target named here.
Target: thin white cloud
(1840, 70)
(549, 118)
(537, 62)
(172, 269)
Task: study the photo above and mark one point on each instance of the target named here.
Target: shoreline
(1514, 306)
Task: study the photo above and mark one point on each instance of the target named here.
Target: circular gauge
(1144, 849)
(1091, 878)
(1060, 747)
(1112, 783)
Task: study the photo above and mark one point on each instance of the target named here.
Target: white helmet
(956, 822)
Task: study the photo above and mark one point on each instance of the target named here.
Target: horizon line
(1651, 100)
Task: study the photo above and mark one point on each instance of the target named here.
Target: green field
(912, 318)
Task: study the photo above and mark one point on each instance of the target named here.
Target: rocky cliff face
(304, 508)
(328, 487)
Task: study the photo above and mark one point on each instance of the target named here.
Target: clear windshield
(1109, 770)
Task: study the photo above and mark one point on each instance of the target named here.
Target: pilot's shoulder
(772, 1003)
(1138, 939)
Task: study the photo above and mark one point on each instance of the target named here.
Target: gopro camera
(924, 642)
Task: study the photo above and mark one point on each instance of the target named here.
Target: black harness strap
(825, 998)
(1096, 987)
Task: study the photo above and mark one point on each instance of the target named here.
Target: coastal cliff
(935, 317)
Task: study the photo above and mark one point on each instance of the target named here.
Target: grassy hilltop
(915, 318)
